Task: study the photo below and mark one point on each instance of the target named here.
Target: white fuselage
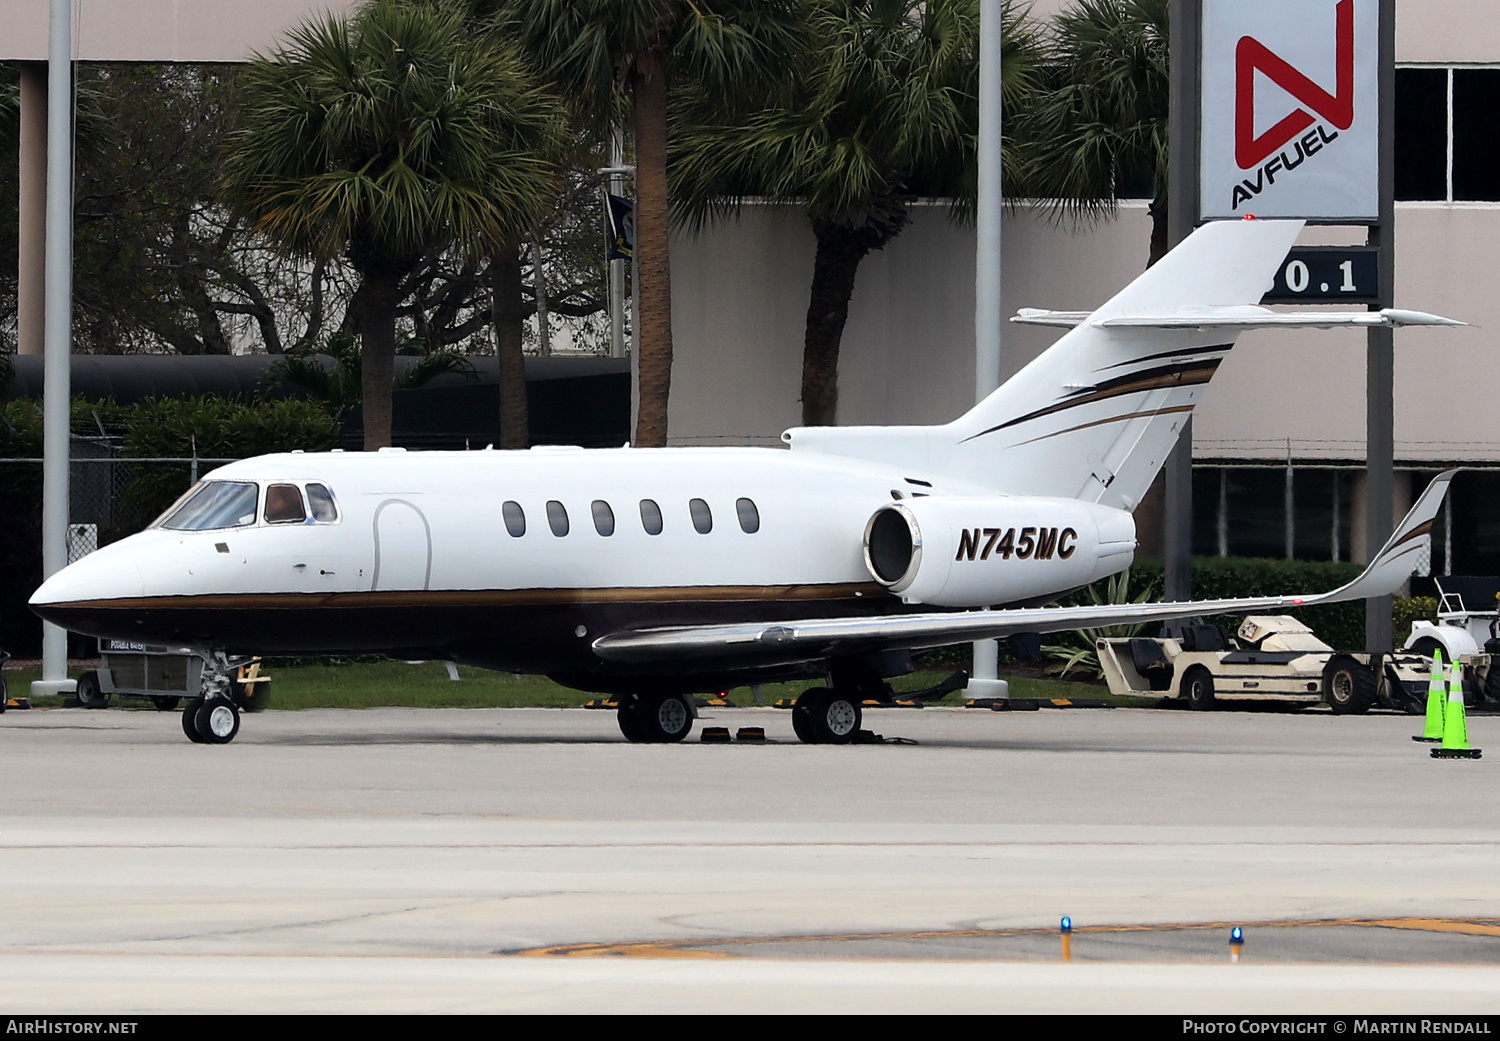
(421, 556)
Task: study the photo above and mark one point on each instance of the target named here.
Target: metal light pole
(985, 681)
(58, 314)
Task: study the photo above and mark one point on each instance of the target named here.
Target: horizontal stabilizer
(1238, 318)
(819, 638)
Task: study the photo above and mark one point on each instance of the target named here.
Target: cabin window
(604, 517)
(749, 516)
(320, 501)
(515, 518)
(703, 518)
(213, 504)
(651, 516)
(557, 518)
(284, 505)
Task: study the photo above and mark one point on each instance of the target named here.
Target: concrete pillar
(30, 297)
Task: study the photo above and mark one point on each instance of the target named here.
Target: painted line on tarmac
(689, 948)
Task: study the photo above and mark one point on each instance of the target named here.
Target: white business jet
(654, 574)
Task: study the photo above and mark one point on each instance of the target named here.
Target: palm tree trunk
(649, 84)
(509, 311)
(835, 266)
(1159, 243)
(377, 335)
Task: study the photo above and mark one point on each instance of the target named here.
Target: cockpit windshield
(213, 504)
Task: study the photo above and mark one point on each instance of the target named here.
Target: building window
(1448, 134)
(1272, 511)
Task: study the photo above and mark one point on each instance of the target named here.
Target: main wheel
(664, 717)
(190, 720)
(834, 717)
(165, 703)
(1492, 681)
(1198, 688)
(1348, 687)
(802, 718)
(89, 694)
(629, 720)
(218, 721)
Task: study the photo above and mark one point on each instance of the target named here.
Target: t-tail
(1094, 416)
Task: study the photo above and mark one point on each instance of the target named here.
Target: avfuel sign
(1290, 116)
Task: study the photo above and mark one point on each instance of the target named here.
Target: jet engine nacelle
(977, 552)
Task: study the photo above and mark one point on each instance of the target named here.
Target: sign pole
(1380, 442)
(1184, 114)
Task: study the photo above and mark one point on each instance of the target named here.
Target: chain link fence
(110, 496)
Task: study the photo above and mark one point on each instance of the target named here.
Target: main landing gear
(832, 715)
(655, 718)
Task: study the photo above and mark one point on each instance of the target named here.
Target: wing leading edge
(822, 637)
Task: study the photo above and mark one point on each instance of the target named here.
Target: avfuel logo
(1252, 151)
(1290, 109)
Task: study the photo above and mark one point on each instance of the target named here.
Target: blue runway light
(1067, 924)
(1236, 935)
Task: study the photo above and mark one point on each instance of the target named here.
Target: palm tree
(382, 136)
(883, 111)
(597, 49)
(1099, 123)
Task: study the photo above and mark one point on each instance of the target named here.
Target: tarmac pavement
(530, 859)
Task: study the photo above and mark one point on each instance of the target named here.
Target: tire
(253, 698)
(664, 718)
(88, 693)
(218, 721)
(630, 724)
(1426, 645)
(802, 717)
(1491, 682)
(190, 720)
(166, 703)
(834, 717)
(1348, 687)
(1198, 689)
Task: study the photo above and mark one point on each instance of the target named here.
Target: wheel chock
(786, 703)
(11, 703)
(753, 734)
(601, 703)
(715, 735)
(719, 702)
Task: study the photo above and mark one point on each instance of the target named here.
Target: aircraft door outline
(386, 559)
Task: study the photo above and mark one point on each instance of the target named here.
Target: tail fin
(1094, 416)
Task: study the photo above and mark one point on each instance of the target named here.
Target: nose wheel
(211, 721)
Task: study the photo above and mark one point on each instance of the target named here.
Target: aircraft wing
(815, 638)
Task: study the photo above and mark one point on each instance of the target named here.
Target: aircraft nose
(106, 574)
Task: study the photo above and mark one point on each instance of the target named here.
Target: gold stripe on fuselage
(481, 598)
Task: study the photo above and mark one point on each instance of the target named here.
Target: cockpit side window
(211, 505)
(320, 500)
(284, 504)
